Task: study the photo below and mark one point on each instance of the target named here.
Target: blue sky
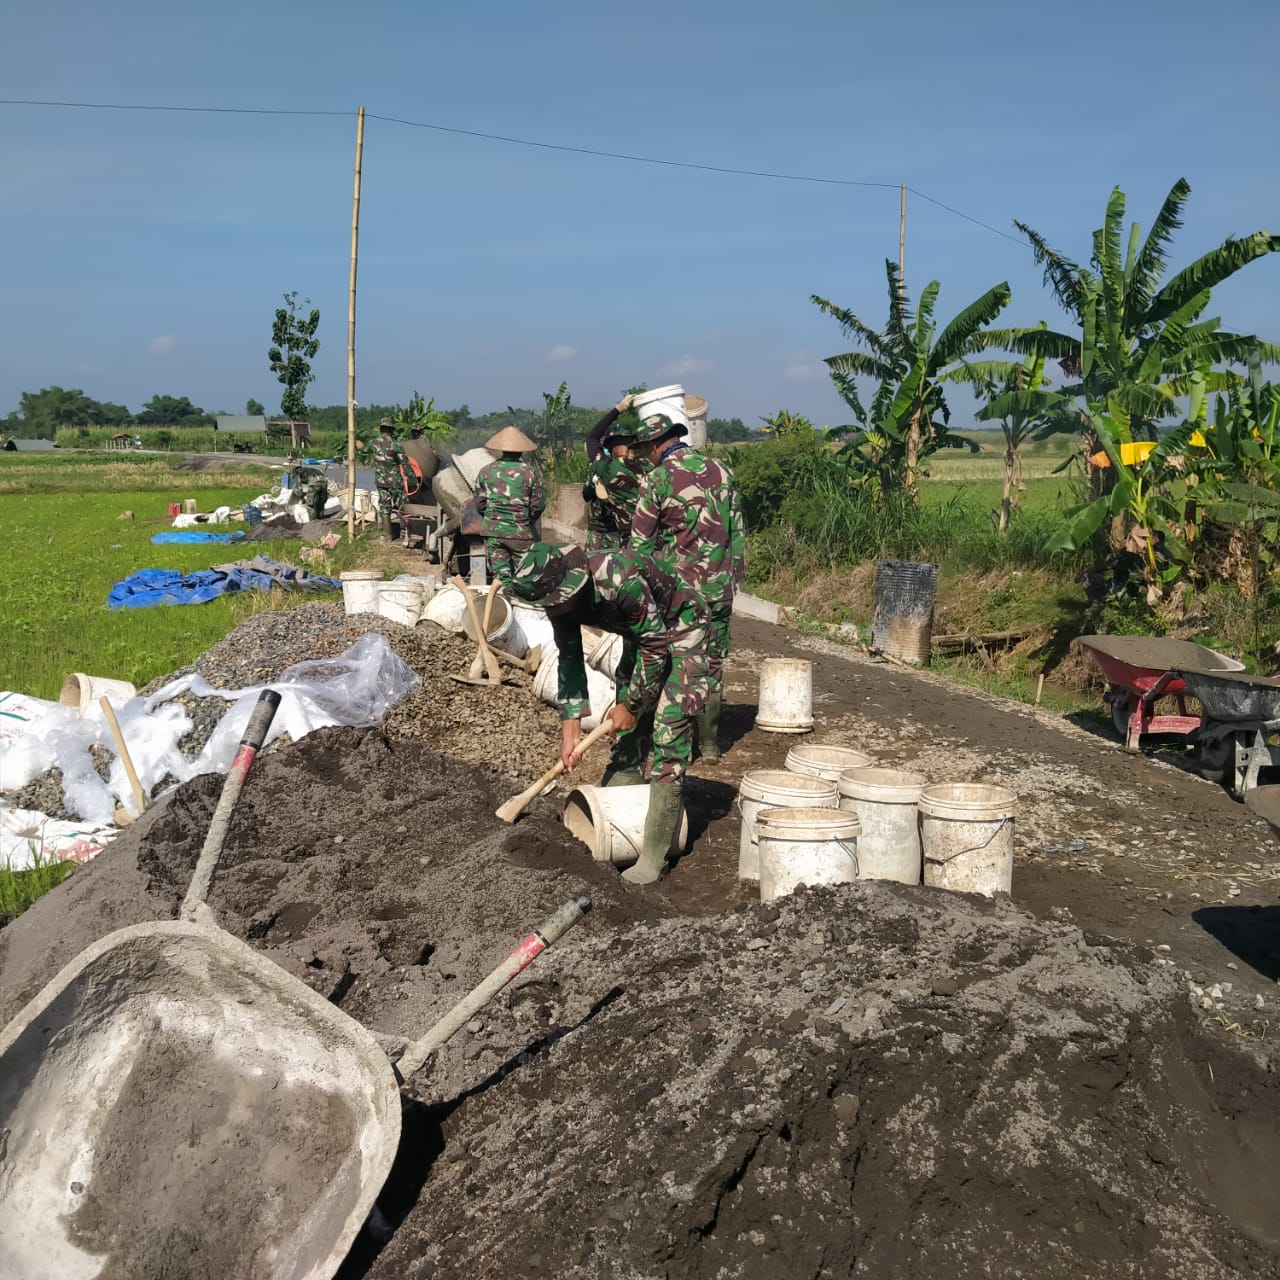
(147, 251)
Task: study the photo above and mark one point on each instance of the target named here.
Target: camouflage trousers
(718, 639)
(504, 554)
(668, 729)
(390, 500)
(603, 540)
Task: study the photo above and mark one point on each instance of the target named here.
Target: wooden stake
(139, 796)
(902, 244)
(1039, 688)
(351, 336)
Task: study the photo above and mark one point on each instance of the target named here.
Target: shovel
(175, 1102)
(493, 674)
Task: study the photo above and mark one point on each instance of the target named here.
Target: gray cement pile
(871, 1080)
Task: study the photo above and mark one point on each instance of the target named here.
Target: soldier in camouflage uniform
(509, 497)
(610, 491)
(688, 514)
(661, 679)
(389, 469)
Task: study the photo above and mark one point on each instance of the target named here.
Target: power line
(519, 142)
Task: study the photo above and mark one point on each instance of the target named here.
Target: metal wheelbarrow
(1240, 712)
(1140, 670)
(175, 1104)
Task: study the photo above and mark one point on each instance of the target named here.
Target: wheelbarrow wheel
(1122, 705)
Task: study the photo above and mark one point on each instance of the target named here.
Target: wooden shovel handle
(490, 663)
(139, 796)
(517, 804)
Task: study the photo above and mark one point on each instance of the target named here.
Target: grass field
(62, 554)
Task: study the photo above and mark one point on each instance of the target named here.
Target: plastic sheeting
(28, 836)
(196, 535)
(357, 688)
(148, 588)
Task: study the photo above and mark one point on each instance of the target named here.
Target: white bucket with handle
(966, 833)
(401, 602)
(82, 691)
(360, 591)
(502, 633)
(600, 689)
(885, 802)
(785, 701)
(604, 653)
(818, 761)
(806, 846)
(533, 626)
(668, 400)
(696, 408)
(610, 822)
(763, 789)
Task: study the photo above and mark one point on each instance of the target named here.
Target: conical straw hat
(510, 440)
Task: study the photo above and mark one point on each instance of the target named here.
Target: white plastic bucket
(696, 408)
(502, 624)
(533, 626)
(360, 591)
(668, 400)
(817, 761)
(610, 822)
(604, 653)
(763, 789)
(82, 691)
(885, 802)
(785, 702)
(806, 846)
(401, 602)
(966, 833)
(600, 689)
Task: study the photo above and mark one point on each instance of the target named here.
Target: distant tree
(293, 346)
(40, 414)
(255, 408)
(728, 430)
(786, 423)
(170, 411)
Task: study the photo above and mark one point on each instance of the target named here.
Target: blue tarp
(150, 587)
(196, 535)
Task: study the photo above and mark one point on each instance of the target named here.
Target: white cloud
(802, 368)
(561, 352)
(162, 345)
(683, 367)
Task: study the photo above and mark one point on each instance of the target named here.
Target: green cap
(548, 575)
(659, 427)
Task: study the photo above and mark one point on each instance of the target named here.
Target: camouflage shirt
(390, 466)
(510, 497)
(688, 514)
(655, 612)
(609, 516)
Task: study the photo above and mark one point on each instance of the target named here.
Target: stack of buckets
(833, 815)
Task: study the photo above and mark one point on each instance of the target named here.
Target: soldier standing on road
(661, 678)
(390, 467)
(688, 514)
(510, 497)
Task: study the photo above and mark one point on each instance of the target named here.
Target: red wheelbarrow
(1140, 670)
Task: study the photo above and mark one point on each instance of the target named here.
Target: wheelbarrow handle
(548, 932)
(255, 734)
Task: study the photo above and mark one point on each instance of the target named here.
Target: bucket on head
(966, 833)
(885, 802)
(82, 691)
(601, 694)
(400, 602)
(806, 846)
(902, 625)
(360, 590)
(668, 400)
(785, 702)
(774, 789)
(610, 822)
(696, 408)
(818, 761)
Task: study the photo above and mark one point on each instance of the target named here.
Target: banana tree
(1141, 338)
(422, 415)
(1026, 410)
(911, 360)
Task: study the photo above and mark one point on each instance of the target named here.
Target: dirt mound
(875, 1079)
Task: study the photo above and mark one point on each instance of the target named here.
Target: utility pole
(351, 336)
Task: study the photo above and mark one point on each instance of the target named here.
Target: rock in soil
(902, 1082)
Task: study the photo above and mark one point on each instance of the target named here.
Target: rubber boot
(386, 526)
(660, 827)
(622, 778)
(709, 727)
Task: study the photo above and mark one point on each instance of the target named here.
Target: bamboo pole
(351, 335)
(902, 244)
